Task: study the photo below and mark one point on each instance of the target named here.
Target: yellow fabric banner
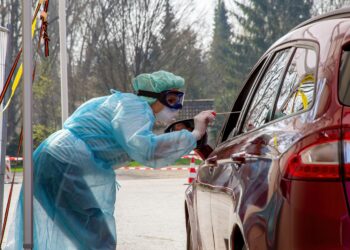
(19, 73)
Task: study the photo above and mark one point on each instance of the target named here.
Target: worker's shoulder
(127, 98)
(91, 104)
(126, 105)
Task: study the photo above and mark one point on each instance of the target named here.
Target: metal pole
(27, 125)
(63, 59)
(4, 65)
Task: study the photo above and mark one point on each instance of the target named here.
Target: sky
(201, 16)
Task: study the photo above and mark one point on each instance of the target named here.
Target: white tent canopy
(3, 130)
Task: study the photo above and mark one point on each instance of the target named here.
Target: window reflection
(262, 104)
(297, 91)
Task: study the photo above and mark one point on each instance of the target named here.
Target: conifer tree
(177, 53)
(222, 61)
(263, 22)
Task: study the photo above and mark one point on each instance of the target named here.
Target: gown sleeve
(132, 123)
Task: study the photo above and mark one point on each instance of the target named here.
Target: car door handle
(212, 161)
(238, 159)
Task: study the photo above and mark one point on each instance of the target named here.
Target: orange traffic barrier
(192, 171)
(8, 176)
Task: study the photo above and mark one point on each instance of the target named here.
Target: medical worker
(74, 180)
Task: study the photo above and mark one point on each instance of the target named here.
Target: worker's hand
(201, 122)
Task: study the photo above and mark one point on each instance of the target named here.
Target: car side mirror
(203, 150)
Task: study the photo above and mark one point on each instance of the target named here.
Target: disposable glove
(201, 122)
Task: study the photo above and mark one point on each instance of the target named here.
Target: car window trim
(301, 43)
(264, 60)
(306, 44)
(315, 90)
(309, 44)
(345, 48)
(257, 84)
(280, 84)
(268, 60)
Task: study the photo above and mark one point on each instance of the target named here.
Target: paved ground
(150, 209)
(147, 174)
(150, 214)
(15, 194)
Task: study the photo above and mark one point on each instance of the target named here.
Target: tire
(238, 243)
(189, 236)
(243, 248)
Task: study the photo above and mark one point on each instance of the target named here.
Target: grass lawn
(17, 170)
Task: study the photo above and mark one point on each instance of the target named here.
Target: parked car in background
(279, 177)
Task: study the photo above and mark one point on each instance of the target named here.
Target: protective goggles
(170, 98)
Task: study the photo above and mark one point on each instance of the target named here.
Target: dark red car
(279, 178)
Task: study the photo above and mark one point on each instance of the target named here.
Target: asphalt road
(147, 174)
(150, 214)
(149, 209)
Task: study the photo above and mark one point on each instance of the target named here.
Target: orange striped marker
(192, 171)
(7, 170)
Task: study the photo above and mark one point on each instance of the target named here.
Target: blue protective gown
(74, 180)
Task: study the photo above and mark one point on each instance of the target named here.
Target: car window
(344, 77)
(297, 92)
(262, 104)
(239, 102)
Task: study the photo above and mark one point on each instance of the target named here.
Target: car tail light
(346, 147)
(316, 157)
(347, 170)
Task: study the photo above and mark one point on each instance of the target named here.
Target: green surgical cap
(157, 82)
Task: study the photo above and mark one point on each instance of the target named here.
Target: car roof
(339, 13)
(297, 32)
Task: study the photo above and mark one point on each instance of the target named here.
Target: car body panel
(203, 209)
(251, 194)
(346, 126)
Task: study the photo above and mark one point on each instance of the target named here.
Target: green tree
(323, 6)
(175, 49)
(46, 95)
(222, 61)
(40, 133)
(262, 23)
(46, 90)
(10, 17)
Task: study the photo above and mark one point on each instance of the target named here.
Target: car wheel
(239, 244)
(189, 236)
(243, 248)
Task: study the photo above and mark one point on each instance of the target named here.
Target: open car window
(262, 104)
(231, 122)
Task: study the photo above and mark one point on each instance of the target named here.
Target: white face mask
(167, 115)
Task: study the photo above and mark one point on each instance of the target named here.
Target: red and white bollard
(8, 170)
(192, 171)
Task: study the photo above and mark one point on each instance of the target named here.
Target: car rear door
(222, 173)
(247, 194)
(203, 184)
(202, 190)
(344, 98)
(243, 162)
